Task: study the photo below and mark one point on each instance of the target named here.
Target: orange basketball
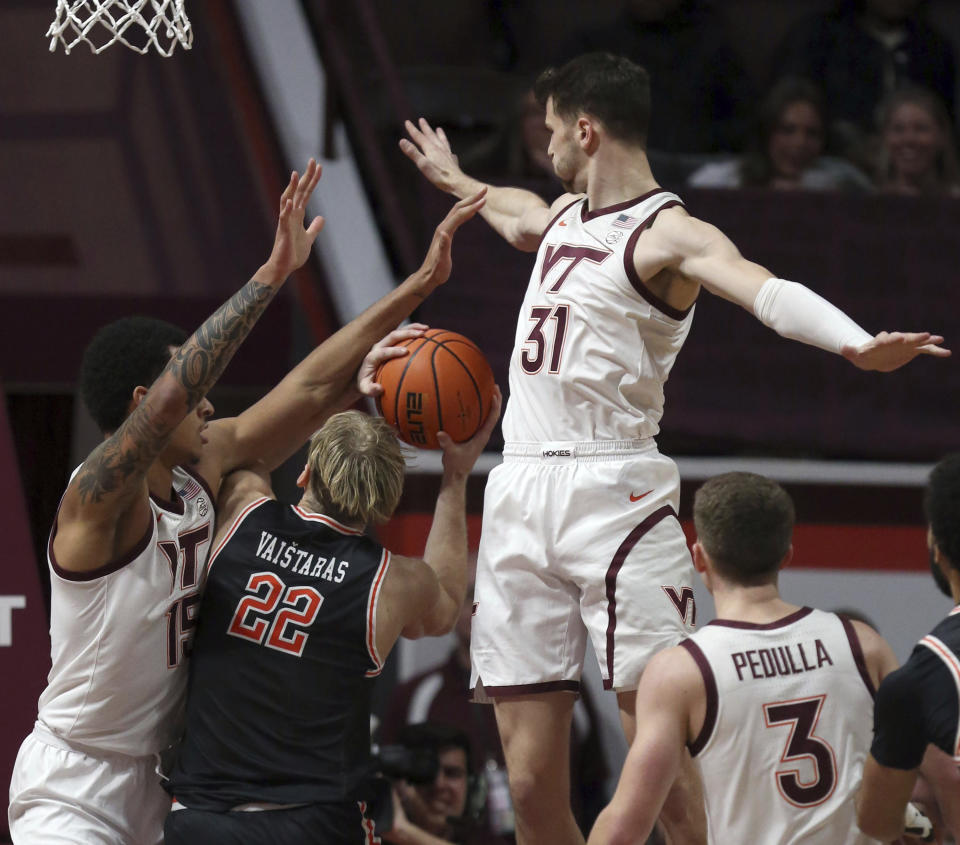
(444, 383)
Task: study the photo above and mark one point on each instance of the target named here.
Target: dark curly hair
(124, 354)
(941, 503)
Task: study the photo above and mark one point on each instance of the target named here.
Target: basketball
(444, 383)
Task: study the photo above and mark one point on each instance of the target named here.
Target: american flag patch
(190, 490)
(625, 221)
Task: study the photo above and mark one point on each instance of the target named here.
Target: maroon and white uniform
(788, 725)
(120, 638)
(580, 531)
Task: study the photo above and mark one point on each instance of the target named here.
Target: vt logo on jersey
(572, 254)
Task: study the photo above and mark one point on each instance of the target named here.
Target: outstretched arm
(520, 217)
(670, 695)
(269, 432)
(433, 610)
(105, 507)
(704, 255)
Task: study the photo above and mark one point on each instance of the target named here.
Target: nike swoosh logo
(638, 498)
(561, 223)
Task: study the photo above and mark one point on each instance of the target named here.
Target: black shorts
(323, 824)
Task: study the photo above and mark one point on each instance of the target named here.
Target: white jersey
(120, 634)
(788, 725)
(593, 346)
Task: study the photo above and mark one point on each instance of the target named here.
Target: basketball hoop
(137, 24)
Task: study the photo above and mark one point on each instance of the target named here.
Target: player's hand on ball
(383, 351)
(891, 350)
(459, 458)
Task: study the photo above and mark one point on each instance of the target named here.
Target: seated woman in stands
(786, 150)
(918, 152)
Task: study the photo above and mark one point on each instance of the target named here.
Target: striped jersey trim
(939, 648)
(326, 520)
(372, 615)
(369, 837)
(233, 528)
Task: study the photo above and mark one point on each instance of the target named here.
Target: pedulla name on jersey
(291, 557)
(792, 659)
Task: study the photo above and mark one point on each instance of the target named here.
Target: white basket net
(137, 24)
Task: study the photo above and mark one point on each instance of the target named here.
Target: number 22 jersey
(278, 705)
(788, 725)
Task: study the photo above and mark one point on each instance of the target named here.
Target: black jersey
(278, 708)
(919, 703)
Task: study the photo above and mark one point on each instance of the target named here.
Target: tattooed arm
(270, 431)
(105, 511)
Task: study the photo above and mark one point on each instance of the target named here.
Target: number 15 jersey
(788, 725)
(594, 345)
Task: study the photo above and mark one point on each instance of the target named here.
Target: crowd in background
(859, 98)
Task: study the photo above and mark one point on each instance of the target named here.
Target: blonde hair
(356, 468)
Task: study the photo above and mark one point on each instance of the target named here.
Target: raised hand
(891, 350)
(293, 241)
(459, 458)
(430, 151)
(381, 352)
(437, 265)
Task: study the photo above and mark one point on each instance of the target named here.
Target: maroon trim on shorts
(857, 651)
(201, 481)
(586, 216)
(99, 572)
(634, 277)
(634, 537)
(765, 626)
(529, 689)
(713, 697)
(557, 216)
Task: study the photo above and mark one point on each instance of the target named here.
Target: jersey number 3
(276, 614)
(802, 716)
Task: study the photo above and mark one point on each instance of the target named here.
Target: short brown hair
(745, 523)
(610, 88)
(356, 468)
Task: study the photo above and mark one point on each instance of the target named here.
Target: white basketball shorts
(577, 539)
(59, 795)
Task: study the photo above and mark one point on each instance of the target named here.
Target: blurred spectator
(786, 150)
(443, 809)
(698, 88)
(918, 152)
(861, 52)
(442, 695)
(527, 155)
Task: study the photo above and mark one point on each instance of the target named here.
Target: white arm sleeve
(796, 312)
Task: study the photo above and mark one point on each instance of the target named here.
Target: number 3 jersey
(788, 725)
(278, 707)
(594, 345)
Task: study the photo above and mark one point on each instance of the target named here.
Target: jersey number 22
(276, 614)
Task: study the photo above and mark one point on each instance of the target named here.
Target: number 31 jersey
(788, 725)
(594, 345)
(278, 707)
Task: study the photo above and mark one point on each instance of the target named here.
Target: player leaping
(583, 509)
